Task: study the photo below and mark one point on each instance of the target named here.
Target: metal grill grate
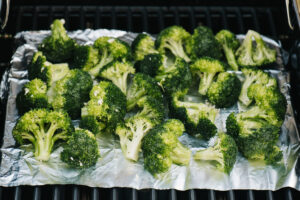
(266, 20)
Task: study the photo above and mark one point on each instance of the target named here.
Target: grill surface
(266, 20)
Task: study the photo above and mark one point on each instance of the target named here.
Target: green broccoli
(142, 45)
(225, 91)
(174, 39)
(203, 43)
(161, 147)
(223, 153)
(46, 71)
(81, 150)
(58, 47)
(249, 55)
(43, 128)
(131, 134)
(198, 117)
(71, 92)
(142, 85)
(150, 64)
(206, 68)
(176, 76)
(32, 95)
(253, 76)
(106, 108)
(255, 136)
(86, 58)
(109, 49)
(269, 99)
(230, 44)
(118, 73)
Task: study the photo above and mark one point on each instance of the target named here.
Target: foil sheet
(19, 167)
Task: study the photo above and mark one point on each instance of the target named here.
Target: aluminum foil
(19, 167)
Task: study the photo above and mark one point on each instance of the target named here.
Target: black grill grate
(266, 20)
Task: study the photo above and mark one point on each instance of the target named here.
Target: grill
(268, 19)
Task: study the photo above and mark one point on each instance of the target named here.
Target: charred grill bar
(268, 20)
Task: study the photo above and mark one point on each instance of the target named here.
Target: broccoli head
(225, 91)
(249, 55)
(255, 136)
(71, 92)
(131, 134)
(43, 128)
(32, 95)
(173, 39)
(142, 85)
(118, 73)
(81, 150)
(223, 153)
(198, 117)
(161, 147)
(229, 44)
(253, 76)
(142, 45)
(176, 76)
(58, 47)
(203, 43)
(206, 68)
(86, 58)
(46, 71)
(106, 108)
(150, 64)
(109, 50)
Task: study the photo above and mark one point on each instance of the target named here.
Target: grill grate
(152, 19)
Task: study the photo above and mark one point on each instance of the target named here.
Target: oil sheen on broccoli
(222, 154)
(58, 47)
(43, 128)
(81, 150)
(161, 147)
(106, 108)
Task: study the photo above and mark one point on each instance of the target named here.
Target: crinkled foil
(19, 167)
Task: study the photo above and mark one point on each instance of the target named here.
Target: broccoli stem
(244, 91)
(209, 154)
(133, 98)
(180, 155)
(105, 59)
(122, 82)
(205, 82)
(177, 49)
(230, 58)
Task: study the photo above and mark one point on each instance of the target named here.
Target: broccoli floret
(198, 117)
(150, 64)
(131, 134)
(46, 71)
(142, 45)
(42, 128)
(81, 150)
(106, 108)
(223, 153)
(173, 39)
(71, 92)
(230, 44)
(58, 47)
(176, 76)
(255, 136)
(249, 55)
(225, 91)
(86, 58)
(269, 99)
(161, 147)
(118, 73)
(203, 43)
(253, 76)
(206, 68)
(142, 85)
(109, 49)
(32, 95)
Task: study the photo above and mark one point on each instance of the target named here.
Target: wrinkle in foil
(19, 167)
